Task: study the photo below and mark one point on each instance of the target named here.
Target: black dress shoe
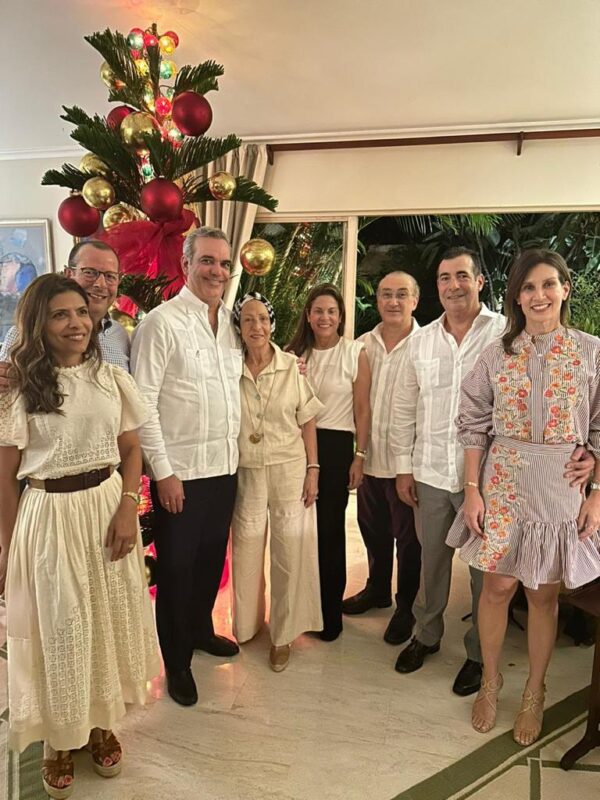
(364, 601)
(182, 687)
(468, 680)
(219, 646)
(399, 629)
(412, 657)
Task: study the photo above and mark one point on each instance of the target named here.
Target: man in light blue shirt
(94, 265)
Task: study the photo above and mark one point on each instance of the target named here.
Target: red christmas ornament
(77, 218)
(161, 200)
(192, 113)
(162, 106)
(150, 40)
(117, 115)
(173, 36)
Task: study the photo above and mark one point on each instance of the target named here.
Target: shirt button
(259, 416)
(257, 397)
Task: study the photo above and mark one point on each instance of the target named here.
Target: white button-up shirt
(385, 367)
(191, 381)
(425, 400)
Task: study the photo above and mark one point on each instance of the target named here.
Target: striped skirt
(530, 527)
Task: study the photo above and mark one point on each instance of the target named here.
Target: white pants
(273, 495)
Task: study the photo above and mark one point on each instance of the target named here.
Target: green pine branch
(201, 78)
(147, 293)
(197, 151)
(68, 176)
(77, 116)
(113, 47)
(162, 155)
(197, 191)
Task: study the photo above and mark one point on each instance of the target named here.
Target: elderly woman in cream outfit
(277, 488)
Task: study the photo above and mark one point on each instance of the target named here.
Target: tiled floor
(338, 723)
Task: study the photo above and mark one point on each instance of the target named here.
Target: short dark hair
(456, 252)
(96, 244)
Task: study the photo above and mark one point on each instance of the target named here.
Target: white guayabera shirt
(191, 381)
(386, 368)
(423, 435)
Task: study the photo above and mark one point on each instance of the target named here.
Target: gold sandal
(532, 704)
(53, 769)
(104, 752)
(487, 696)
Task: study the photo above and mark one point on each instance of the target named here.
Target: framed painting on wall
(25, 253)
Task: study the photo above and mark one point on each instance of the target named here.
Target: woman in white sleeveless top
(339, 373)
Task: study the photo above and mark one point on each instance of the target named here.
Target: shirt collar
(376, 333)
(196, 304)
(279, 362)
(484, 315)
(105, 323)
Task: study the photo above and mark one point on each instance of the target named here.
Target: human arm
(311, 480)
(402, 431)
(10, 458)
(151, 350)
(589, 515)
(361, 389)
(473, 508)
(7, 345)
(122, 530)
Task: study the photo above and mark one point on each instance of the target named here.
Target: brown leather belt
(73, 483)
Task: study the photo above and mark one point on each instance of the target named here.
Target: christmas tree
(143, 158)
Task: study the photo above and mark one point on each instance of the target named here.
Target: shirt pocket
(428, 373)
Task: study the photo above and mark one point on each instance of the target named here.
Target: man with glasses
(94, 265)
(382, 517)
(187, 362)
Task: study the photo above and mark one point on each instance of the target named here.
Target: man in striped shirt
(94, 265)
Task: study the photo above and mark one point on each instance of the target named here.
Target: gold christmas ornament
(257, 257)
(108, 77)
(98, 193)
(115, 215)
(123, 319)
(222, 185)
(134, 127)
(93, 165)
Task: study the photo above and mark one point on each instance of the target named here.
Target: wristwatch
(594, 487)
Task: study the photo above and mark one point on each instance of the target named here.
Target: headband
(239, 304)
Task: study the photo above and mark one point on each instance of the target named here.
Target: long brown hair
(526, 261)
(303, 339)
(34, 367)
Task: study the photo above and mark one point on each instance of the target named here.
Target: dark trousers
(190, 553)
(336, 451)
(384, 519)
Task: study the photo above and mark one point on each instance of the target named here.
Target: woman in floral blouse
(531, 398)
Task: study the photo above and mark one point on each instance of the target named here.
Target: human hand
(579, 468)
(310, 490)
(407, 490)
(588, 520)
(355, 476)
(474, 510)
(301, 364)
(170, 494)
(122, 531)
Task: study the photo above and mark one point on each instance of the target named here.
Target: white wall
(22, 197)
(560, 174)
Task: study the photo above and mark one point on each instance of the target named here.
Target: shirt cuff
(474, 441)
(161, 468)
(403, 465)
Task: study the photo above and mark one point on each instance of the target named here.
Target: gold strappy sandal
(532, 705)
(53, 769)
(487, 696)
(106, 754)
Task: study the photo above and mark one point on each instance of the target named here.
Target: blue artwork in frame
(24, 254)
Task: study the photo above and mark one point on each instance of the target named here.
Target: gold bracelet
(360, 453)
(470, 483)
(313, 466)
(135, 497)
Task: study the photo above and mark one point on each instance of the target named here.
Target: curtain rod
(416, 141)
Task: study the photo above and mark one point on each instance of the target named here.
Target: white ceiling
(304, 69)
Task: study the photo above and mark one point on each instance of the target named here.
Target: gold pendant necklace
(257, 436)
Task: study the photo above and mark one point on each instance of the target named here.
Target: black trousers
(190, 552)
(336, 451)
(384, 519)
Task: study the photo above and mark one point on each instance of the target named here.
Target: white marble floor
(338, 723)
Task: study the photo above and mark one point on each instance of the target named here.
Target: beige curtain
(235, 219)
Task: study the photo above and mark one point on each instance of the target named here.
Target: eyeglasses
(111, 278)
(388, 294)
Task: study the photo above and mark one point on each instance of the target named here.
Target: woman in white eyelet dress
(81, 635)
